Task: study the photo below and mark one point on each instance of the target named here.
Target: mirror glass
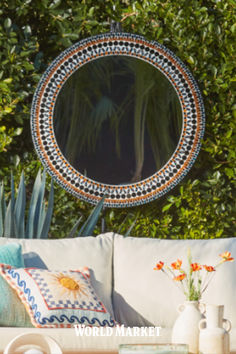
(117, 120)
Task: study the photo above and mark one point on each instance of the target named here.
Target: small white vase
(186, 330)
(214, 331)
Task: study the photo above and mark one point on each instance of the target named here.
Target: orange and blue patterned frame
(71, 60)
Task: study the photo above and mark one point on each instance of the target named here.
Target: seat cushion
(143, 296)
(72, 343)
(92, 252)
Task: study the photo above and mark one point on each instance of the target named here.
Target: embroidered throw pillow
(57, 298)
(12, 311)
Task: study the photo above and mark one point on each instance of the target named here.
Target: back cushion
(145, 297)
(71, 254)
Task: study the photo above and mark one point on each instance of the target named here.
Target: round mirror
(120, 116)
(125, 120)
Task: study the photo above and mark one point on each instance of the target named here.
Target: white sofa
(123, 277)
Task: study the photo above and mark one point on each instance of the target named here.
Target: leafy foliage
(202, 34)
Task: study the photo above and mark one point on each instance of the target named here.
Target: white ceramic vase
(214, 331)
(186, 330)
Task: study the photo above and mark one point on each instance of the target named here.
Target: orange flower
(159, 266)
(209, 268)
(226, 257)
(195, 267)
(177, 264)
(180, 277)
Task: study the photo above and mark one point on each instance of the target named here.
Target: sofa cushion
(71, 343)
(57, 298)
(12, 311)
(145, 297)
(66, 254)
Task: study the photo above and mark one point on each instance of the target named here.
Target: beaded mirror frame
(122, 44)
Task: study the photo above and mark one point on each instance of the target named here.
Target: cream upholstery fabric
(67, 339)
(71, 254)
(144, 297)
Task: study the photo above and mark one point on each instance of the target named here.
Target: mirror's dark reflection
(117, 120)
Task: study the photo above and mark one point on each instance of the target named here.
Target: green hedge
(201, 33)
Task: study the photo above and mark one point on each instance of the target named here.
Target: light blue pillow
(11, 254)
(12, 311)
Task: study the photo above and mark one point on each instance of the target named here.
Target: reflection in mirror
(117, 120)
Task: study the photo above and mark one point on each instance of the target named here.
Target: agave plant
(88, 226)
(14, 222)
(13, 216)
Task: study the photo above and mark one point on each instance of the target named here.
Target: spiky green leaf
(89, 225)
(12, 193)
(30, 227)
(3, 202)
(131, 227)
(122, 224)
(48, 217)
(19, 210)
(9, 221)
(2, 211)
(39, 211)
(75, 227)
